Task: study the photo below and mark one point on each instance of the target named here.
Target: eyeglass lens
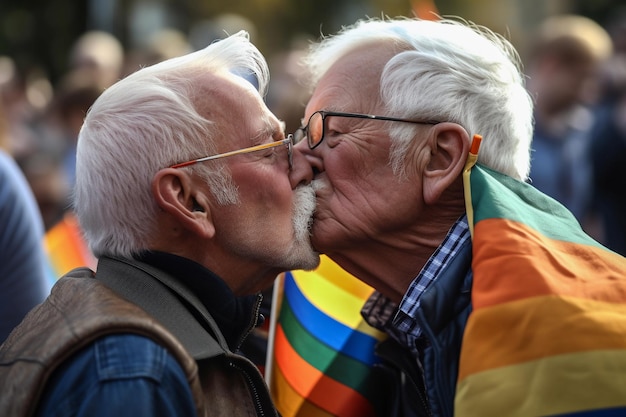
(290, 150)
(313, 131)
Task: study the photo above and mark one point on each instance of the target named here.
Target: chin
(304, 256)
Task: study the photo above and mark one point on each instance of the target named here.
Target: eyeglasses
(315, 129)
(288, 141)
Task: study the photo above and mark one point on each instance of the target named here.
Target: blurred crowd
(576, 72)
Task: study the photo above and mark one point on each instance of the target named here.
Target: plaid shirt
(399, 321)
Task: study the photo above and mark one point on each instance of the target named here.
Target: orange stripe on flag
(321, 390)
(289, 402)
(537, 265)
(538, 327)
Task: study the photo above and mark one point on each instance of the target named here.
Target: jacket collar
(235, 316)
(169, 301)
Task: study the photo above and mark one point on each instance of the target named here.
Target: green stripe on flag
(495, 195)
(335, 365)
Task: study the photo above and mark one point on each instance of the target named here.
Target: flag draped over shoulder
(321, 349)
(547, 334)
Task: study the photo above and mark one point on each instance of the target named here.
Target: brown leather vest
(51, 333)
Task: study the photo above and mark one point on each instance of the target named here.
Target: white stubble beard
(304, 206)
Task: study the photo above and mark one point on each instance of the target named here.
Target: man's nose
(305, 165)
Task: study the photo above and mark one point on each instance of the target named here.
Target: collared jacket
(145, 308)
(425, 386)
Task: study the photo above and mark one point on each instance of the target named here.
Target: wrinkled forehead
(356, 75)
(234, 105)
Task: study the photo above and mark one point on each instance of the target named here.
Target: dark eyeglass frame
(303, 131)
(288, 141)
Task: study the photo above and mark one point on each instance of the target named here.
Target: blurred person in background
(182, 190)
(25, 94)
(23, 279)
(161, 45)
(99, 54)
(50, 167)
(563, 69)
(608, 141)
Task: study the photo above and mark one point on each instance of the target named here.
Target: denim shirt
(119, 375)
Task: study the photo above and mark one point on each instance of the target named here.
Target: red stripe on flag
(316, 387)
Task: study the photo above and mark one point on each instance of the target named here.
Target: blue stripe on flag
(338, 336)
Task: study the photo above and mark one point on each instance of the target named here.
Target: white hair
(445, 70)
(146, 122)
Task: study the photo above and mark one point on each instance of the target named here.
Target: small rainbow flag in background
(321, 350)
(66, 247)
(547, 335)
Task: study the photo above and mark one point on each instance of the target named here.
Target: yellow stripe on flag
(337, 294)
(341, 279)
(540, 388)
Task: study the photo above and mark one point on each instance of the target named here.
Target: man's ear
(449, 150)
(186, 202)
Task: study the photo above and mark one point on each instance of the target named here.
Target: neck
(391, 262)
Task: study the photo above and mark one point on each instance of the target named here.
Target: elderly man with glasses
(490, 292)
(183, 193)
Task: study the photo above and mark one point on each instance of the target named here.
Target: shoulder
(23, 264)
(123, 374)
(130, 356)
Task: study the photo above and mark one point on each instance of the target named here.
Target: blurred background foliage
(38, 34)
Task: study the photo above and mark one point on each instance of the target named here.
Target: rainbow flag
(321, 349)
(547, 335)
(425, 9)
(66, 248)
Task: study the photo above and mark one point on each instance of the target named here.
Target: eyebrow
(269, 129)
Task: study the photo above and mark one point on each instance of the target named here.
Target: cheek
(268, 197)
(366, 203)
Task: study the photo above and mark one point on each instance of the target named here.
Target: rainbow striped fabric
(547, 335)
(66, 248)
(322, 348)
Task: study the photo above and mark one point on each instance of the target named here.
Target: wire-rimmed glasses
(288, 141)
(315, 129)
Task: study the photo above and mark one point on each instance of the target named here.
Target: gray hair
(445, 70)
(146, 122)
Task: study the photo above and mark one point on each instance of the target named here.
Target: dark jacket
(128, 297)
(426, 386)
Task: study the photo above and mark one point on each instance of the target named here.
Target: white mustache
(304, 207)
(318, 185)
